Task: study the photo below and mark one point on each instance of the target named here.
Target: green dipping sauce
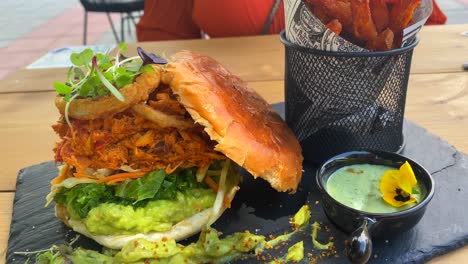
(357, 186)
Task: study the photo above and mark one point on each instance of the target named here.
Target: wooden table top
(437, 99)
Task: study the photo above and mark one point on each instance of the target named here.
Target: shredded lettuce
(220, 195)
(156, 185)
(84, 197)
(143, 188)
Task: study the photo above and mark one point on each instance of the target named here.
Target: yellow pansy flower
(397, 185)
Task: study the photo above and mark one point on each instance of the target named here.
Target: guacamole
(153, 203)
(296, 252)
(209, 248)
(156, 216)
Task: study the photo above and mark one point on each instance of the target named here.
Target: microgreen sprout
(149, 58)
(106, 83)
(49, 254)
(93, 75)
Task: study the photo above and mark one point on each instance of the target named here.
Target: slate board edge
(462, 241)
(440, 250)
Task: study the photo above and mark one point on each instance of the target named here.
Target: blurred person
(437, 17)
(185, 19)
(239, 18)
(166, 20)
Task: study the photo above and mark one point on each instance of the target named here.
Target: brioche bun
(246, 127)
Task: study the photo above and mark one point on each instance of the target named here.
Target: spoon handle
(359, 247)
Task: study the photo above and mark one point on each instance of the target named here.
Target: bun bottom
(182, 230)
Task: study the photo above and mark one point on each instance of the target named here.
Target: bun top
(246, 127)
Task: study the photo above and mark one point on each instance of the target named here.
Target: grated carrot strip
(122, 176)
(211, 183)
(120, 180)
(84, 175)
(170, 170)
(226, 202)
(214, 186)
(62, 176)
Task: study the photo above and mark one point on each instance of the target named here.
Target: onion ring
(93, 108)
(161, 118)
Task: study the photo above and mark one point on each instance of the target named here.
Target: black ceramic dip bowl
(363, 226)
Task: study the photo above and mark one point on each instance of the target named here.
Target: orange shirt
(437, 17)
(236, 17)
(167, 19)
(184, 19)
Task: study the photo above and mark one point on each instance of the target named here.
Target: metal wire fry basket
(337, 102)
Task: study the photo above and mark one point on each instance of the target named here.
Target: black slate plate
(261, 210)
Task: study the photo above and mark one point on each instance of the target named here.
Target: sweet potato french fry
(319, 12)
(380, 14)
(402, 13)
(363, 25)
(384, 41)
(374, 24)
(335, 26)
(339, 9)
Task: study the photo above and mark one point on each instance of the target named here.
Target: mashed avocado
(77, 256)
(318, 245)
(156, 216)
(208, 249)
(153, 203)
(301, 218)
(83, 256)
(296, 252)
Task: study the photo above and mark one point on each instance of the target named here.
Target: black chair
(126, 7)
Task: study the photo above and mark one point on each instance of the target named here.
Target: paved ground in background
(29, 28)
(34, 27)
(20, 17)
(456, 10)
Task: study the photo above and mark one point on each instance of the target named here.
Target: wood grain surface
(437, 99)
(6, 207)
(441, 49)
(438, 102)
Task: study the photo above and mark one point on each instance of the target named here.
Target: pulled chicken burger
(150, 148)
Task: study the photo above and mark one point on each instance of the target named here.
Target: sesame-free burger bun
(245, 126)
